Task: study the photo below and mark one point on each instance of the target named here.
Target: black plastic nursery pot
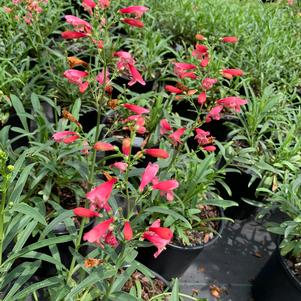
(175, 260)
(276, 282)
(239, 186)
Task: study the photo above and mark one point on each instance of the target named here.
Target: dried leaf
(75, 61)
(215, 291)
(92, 262)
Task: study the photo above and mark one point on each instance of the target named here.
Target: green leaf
(30, 211)
(16, 193)
(122, 296)
(36, 286)
(175, 291)
(29, 270)
(19, 108)
(66, 214)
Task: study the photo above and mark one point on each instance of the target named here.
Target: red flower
(68, 35)
(104, 146)
(75, 76)
(110, 239)
(127, 231)
(175, 136)
(159, 236)
(208, 83)
(100, 78)
(164, 126)
(200, 37)
(200, 51)
(125, 59)
(136, 76)
(66, 137)
(78, 24)
(138, 11)
(202, 98)
(84, 212)
(136, 109)
(104, 3)
(214, 113)
(167, 187)
(231, 40)
(120, 165)
(88, 5)
(157, 153)
(204, 63)
(209, 148)
(99, 232)
(173, 89)
(99, 196)
(133, 22)
(126, 146)
(230, 73)
(148, 175)
(232, 102)
(202, 137)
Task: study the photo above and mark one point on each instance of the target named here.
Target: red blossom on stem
(214, 113)
(126, 146)
(99, 196)
(79, 24)
(164, 127)
(136, 109)
(66, 137)
(127, 231)
(166, 188)
(157, 153)
(84, 212)
(133, 22)
(173, 89)
(69, 35)
(208, 83)
(104, 146)
(176, 136)
(232, 102)
(231, 40)
(148, 175)
(138, 11)
(202, 98)
(120, 165)
(99, 232)
(158, 236)
(230, 73)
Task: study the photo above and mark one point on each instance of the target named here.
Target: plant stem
(2, 206)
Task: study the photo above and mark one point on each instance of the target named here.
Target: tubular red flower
(209, 148)
(148, 175)
(136, 76)
(133, 22)
(127, 231)
(164, 126)
(84, 212)
(159, 236)
(176, 136)
(83, 87)
(200, 37)
(173, 89)
(120, 165)
(200, 51)
(110, 239)
(75, 76)
(204, 63)
(232, 102)
(230, 73)
(78, 24)
(104, 3)
(214, 113)
(157, 153)
(69, 35)
(231, 40)
(202, 137)
(166, 188)
(66, 137)
(208, 83)
(126, 146)
(103, 146)
(136, 109)
(184, 66)
(99, 196)
(88, 5)
(138, 11)
(202, 98)
(99, 232)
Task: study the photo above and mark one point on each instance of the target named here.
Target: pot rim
(296, 282)
(209, 243)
